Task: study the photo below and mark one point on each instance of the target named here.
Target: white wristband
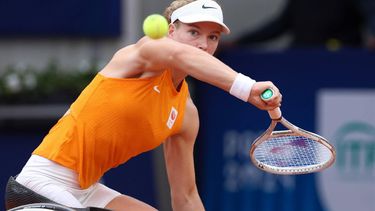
(241, 87)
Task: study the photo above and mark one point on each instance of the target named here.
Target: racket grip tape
(267, 95)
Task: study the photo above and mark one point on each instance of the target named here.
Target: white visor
(200, 11)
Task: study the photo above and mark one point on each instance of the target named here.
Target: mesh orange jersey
(113, 120)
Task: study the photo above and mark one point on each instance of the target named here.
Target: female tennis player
(138, 101)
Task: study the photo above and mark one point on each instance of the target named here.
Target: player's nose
(202, 43)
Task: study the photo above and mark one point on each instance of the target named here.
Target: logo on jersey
(172, 117)
(156, 89)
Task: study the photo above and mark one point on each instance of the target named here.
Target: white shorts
(60, 184)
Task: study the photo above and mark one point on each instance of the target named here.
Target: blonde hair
(174, 6)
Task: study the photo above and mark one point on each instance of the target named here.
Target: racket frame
(296, 131)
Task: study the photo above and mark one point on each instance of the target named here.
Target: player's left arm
(178, 153)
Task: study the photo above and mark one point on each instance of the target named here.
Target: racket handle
(275, 113)
(267, 95)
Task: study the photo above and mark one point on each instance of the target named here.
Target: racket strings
(292, 151)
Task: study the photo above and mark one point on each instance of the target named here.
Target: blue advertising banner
(68, 18)
(226, 177)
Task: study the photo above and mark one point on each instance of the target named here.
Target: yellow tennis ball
(155, 26)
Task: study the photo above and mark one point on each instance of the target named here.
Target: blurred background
(320, 54)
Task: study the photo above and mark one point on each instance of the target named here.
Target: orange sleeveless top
(113, 120)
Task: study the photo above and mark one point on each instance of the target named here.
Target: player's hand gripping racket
(291, 151)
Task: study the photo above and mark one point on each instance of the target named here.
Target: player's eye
(193, 32)
(213, 37)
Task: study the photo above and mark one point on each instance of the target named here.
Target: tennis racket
(291, 151)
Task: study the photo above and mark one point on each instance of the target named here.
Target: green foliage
(51, 84)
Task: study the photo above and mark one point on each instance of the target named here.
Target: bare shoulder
(146, 55)
(125, 63)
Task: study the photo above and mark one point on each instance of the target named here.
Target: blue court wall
(68, 18)
(227, 179)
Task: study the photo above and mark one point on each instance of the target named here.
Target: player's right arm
(185, 60)
(189, 60)
(148, 57)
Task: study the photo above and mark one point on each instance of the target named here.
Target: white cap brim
(200, 11)
(203, 18)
